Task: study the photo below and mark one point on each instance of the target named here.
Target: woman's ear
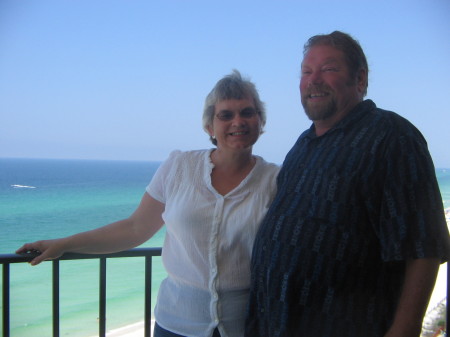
(211, 131)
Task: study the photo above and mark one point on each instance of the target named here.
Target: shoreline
(130, 330)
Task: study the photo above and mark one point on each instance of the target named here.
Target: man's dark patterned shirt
(352, 206)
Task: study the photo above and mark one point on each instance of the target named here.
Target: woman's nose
(238, 120)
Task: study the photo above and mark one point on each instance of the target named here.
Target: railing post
(55, 297)
(447, 321)
(5, 292)
(148, 295)
(102, 299)
(6, 259)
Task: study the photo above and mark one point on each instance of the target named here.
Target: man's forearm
(420, 277)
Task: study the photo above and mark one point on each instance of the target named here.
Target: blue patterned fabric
(158, 331)
(352, 206)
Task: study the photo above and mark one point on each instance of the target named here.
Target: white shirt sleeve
(161, 179)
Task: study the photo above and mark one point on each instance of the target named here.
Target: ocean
(48, 198)
(42, 199)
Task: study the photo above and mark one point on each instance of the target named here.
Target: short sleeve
(161, 181)
(412, 221)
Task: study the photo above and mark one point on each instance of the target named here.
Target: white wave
(22, 186)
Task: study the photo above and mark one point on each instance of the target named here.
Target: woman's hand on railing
(114, 237)
(47, 250)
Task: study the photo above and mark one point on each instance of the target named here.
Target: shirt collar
(358, 112)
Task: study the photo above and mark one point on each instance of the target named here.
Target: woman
(211, 202)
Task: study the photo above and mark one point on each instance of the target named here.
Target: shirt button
(216, 321)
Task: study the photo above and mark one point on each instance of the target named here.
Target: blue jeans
(160, 332)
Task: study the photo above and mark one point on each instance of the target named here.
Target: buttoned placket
(213, 252)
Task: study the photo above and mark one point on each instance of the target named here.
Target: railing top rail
(135, 252)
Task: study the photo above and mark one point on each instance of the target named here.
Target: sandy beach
(132, 330)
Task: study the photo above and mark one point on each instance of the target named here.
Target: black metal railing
(147, 253)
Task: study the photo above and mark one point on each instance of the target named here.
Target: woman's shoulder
(188, 155)
(188, 162)
(268, 167)
(266, 163)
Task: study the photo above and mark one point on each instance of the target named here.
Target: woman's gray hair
(232, 86)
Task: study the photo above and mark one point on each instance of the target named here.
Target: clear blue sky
(126, 79)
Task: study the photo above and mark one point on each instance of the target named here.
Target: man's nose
(315, 78)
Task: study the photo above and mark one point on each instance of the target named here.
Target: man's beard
(320, 111)
(325, 109)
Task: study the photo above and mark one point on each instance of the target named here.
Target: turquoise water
(443, 176)
(61, 197)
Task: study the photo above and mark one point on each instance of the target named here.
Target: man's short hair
(356, 59)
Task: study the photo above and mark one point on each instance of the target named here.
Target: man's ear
(361, 81)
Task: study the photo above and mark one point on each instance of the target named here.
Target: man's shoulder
(392, 121)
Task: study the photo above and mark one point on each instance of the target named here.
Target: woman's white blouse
(208, 243)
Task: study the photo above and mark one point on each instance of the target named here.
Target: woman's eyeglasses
(227, 116)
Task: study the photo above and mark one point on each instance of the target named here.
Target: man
(351, 245)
